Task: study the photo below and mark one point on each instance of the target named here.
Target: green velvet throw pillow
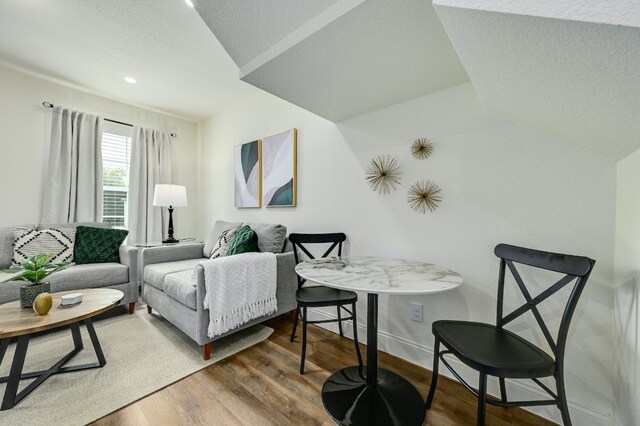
(245, 241)
(98, 245)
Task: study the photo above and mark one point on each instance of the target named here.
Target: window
(116, 156)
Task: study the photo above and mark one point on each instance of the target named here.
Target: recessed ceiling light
(189, 3)
(130, 80)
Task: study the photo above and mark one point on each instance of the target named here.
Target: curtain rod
(50, 105)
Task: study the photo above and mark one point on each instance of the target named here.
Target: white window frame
(116, 133)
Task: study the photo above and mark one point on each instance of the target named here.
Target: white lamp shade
(170, 195)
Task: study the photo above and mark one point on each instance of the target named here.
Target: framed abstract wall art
(247, 171)
(279, 169)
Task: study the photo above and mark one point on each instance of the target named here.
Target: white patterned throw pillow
(220, 247)
(29, 242)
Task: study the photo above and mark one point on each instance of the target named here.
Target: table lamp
(170, 196)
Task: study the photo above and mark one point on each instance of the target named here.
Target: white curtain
(150, 165)
(73, 183)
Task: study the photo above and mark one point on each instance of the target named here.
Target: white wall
(500, 181)
(627, 293)
(24, 141)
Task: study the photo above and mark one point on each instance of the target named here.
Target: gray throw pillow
(7, 241)
(74, 225)
(221, 246)
(271, 237)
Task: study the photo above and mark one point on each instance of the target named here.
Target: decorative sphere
(42, 304)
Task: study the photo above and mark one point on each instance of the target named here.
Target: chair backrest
(576, 268)
(301, 241)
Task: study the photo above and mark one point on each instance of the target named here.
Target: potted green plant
(33, 271)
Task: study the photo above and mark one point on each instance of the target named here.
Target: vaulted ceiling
(567, 67)
(336, 58)
(571, 68)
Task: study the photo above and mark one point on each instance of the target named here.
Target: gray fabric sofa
(121, 276)
(168, 287)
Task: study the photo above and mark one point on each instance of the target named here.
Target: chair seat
(324, 296)
(494, 351)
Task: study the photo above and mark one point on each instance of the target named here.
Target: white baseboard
(422, 355)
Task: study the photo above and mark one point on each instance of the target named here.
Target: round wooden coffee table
(22, 323)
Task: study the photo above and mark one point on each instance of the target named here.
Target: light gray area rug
(144, 354)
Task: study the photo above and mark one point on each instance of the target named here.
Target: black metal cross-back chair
(492, 350)
(320, 296)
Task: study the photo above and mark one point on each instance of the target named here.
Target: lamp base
(170, 239)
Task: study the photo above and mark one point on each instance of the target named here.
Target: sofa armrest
(129, 258)
(287, 267)
(171, 253)
(287, 284)
(287, 281)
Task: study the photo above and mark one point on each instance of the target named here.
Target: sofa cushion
(76, 277)
(181, 287)
(218, 228)
(89, 276)
(271, 237)
(7, 241)
(155, 273)
(98, 245)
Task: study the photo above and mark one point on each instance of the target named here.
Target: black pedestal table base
(349, 401)
(374, 397)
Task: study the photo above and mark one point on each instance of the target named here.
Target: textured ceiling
(249, 27)
(350, 57)
(165, 45)
(577, 80)
(615, 12)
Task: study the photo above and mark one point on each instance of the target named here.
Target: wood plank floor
(261, 386)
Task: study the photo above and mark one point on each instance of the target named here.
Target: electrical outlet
(416, 312)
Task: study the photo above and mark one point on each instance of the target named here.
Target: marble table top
(379, 275)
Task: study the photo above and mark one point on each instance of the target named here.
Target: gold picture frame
(280, 169)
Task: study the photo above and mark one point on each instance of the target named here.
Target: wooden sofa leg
(149, 309)
(206, 351)
(293, 315)
(132, 307)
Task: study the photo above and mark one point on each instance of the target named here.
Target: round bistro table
(22, 323)
(375, 396)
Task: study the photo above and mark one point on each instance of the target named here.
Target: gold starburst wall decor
(383, 174)
(421, 148)
(424, 195)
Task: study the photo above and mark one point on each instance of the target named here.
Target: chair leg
(295, 324)
(132, 308)
(355, 334)
(293, 314)
(304, 339)
(482, 399)
(562, 400)
(434, 373)
(340, 321)
(503, 390)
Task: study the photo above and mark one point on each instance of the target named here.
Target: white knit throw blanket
(239, 289)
